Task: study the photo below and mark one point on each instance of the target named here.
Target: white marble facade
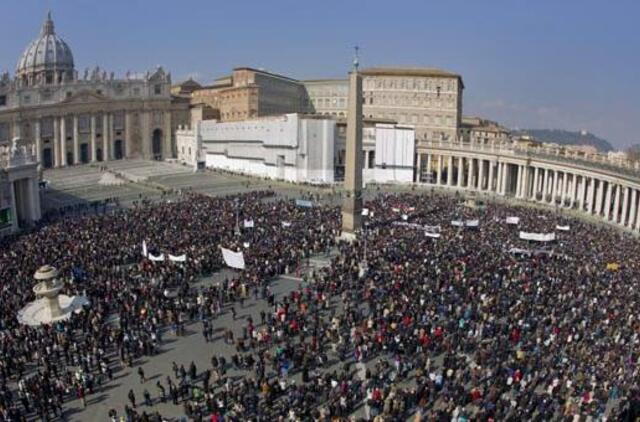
(66, 118)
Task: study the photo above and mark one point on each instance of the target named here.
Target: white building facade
(290, 147)
(66, 118)
(19, 188)
(297, 148)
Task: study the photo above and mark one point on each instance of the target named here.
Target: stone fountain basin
(36, 312)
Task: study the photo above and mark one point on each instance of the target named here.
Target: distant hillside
(566, 137)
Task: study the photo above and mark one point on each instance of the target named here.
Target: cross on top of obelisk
(356, 61)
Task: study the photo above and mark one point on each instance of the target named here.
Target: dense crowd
(476, 324)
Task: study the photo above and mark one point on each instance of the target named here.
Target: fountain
(48, 290)
(49, 306)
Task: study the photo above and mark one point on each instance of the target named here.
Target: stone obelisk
(352, 206)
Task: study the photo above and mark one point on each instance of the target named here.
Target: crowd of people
(473, 323)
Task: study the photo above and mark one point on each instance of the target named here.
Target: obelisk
(352, 206)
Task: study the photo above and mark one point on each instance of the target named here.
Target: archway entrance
(156, 144)
(99, 154)
(47, 158)
(84, 153)
(69, 158)
(118, 149)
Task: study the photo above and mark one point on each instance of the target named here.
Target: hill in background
(566, 137)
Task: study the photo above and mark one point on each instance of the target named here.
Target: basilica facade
(67, 118)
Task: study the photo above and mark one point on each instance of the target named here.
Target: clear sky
(570, 64)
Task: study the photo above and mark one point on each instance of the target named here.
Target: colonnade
(65, 144)
(613, 198)
(59, 141)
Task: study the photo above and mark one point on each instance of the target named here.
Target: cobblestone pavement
(183, 350)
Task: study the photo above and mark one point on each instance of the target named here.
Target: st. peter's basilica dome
(47, 59)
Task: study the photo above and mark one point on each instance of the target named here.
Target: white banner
(248, 224)
(472, 223)
(365, 211)
(457, 223)
(513, 220)
(538, 237)
(156, 258)
(432, 229)
(233, 259)
(405, 217)
(145, 251)
(433, 235)
(395, 209)
(563, 228)
(179, 258)
(286, 224)
(520, 251)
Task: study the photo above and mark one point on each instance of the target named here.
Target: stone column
(14, 206)
(145, 123)
(536, 177)
(63, 141)
(545, 184)
(450, 171)
(616, 205)
(491, 170)
(417, 170)
(93, 139)
(38, 136)
(554, 187)
(505, 175)
(583, 191)
(563, 192)
(56, 141)
(480, 174)
(625, 207)
(36, 209)
(592, 195)
(167, 150)
(632, 211)
(524, 191)
(499, 179)
(460, 171)
(352, 206)
(429, 169)
(607, 201)
(472, 170)
(572, 189)
(128, 133)
(76, 141)
(599, 196)
(637, 218)
(106, 142)
(439, 171)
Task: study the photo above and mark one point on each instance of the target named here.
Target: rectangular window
(3, 100)
(157, 89)
(27, 99)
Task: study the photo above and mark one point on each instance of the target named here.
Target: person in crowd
(476, 324)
